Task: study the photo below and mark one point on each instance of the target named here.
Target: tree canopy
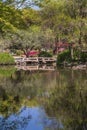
(55, 20)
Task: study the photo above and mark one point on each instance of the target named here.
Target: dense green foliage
(63, 57)
(83, 56)
(45, 54)
(5, 58)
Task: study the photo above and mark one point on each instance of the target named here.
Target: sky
(36, 7)
(33, 6)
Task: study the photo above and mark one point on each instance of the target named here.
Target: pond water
(43, 100)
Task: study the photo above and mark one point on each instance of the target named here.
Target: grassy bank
(6, 59)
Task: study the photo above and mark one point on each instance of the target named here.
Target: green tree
(77, 10)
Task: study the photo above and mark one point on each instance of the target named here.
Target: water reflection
(49, 100)
(36, 67)
(68, 100)
(29, 119)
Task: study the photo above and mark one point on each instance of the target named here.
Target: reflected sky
(29, 119)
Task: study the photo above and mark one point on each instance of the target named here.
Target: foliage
(63, 56)
(30, 17)
(41, 3)
(45, 54)
(24, 27)
(79, 54)
(19, 52)
(83, 56)
(6, 58)
(70, 24)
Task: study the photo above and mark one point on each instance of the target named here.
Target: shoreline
(74, 66)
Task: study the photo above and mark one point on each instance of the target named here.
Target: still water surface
(47, 100)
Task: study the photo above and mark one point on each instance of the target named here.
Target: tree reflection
(22, 88)
(68, 101)
(9, 105)
(15, 122)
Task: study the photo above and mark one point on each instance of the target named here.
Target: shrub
(19, 52)
(83, 56)
(6, 58)
(63, 56)
(45, 54)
